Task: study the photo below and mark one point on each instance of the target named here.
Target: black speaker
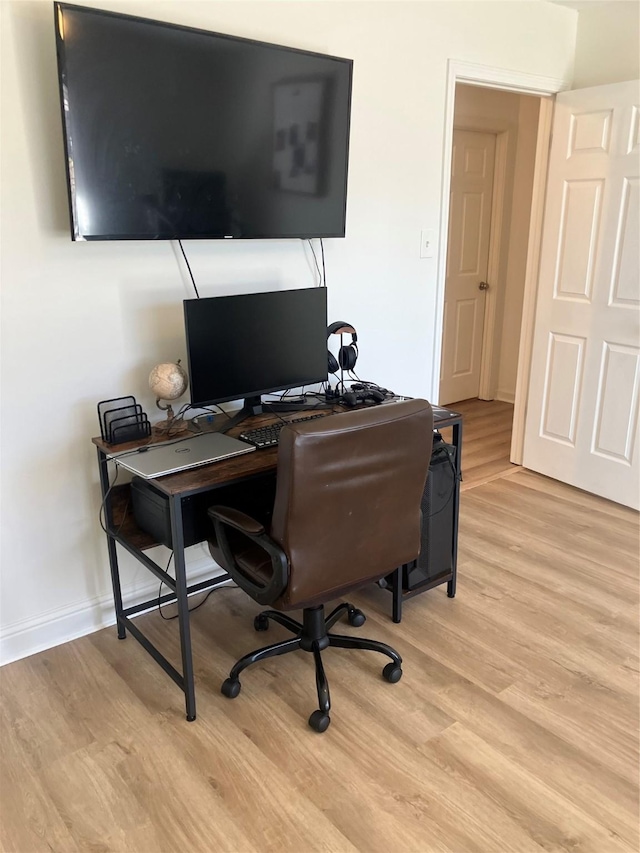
(437, 505)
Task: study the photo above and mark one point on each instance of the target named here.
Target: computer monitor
(239, 347)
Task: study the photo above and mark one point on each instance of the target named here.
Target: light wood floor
(514, 728)
(486, 440)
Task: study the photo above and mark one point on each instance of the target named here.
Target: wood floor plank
(540, 609)
(29, 820)
(579, 498)
(568, 771)
(531, 659)
(486, 442)
(522, 502)
(580, 655)
(590, 726)
(109, 795)
(485, 713)
(411, 791)
(224, 756)
(537, 535)
(579, 578)
(344, 797)
(551, 821)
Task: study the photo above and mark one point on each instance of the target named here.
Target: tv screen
(255, 343)
(173, 132)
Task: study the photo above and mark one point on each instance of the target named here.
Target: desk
(122, 529)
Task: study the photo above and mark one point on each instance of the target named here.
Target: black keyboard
(268, 436)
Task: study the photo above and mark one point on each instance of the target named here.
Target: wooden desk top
(205, 477)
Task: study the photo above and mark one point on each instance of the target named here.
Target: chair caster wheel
(319, 721)
(356, 618)
(230, 688)
(392, 672)
(261, 622)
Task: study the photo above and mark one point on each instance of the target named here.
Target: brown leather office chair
(346, 513)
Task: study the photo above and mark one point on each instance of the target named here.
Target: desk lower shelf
(124, 524)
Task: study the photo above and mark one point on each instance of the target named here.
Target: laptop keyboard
(268, 436)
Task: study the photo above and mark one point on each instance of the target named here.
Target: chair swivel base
(313, 635)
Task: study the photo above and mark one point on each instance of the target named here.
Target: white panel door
(472, 167)
(582, 415)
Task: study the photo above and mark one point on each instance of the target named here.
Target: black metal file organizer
(122, 419)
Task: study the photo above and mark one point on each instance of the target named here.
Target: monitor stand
(251, 406)
(294, 406)
(255, 406)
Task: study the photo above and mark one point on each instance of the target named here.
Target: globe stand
(170, 425)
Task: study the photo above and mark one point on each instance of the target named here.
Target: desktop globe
(168, 381)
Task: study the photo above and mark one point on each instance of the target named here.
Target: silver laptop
(169, 458)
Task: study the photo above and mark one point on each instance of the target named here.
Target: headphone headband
(341, 328)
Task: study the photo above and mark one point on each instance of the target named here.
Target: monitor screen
(256, 343)
(173, 132)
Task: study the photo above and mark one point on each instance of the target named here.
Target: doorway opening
(497, 128)
(492, 180)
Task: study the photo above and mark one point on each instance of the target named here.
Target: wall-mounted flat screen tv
(172, 132)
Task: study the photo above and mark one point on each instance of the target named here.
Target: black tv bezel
(62, 71)
(250, 394)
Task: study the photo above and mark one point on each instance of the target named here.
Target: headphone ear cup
(348, 356)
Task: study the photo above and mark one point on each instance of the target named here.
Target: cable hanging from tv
(186, 260)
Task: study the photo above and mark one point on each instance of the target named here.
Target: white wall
(86, 321)
(607, 46)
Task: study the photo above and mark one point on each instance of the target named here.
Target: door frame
(525, 346)
(525, 84)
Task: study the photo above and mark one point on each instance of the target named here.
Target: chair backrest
(347, 507)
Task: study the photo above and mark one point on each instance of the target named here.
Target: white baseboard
(36, 634)
(506, 396)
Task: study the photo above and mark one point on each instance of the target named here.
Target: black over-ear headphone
(348, 353)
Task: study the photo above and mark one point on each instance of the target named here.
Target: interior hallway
(486, 440)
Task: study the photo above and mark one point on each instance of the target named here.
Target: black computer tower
(438, 507)
(152, 514)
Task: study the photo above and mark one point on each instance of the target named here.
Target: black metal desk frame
(180, 589)
(443, 418)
